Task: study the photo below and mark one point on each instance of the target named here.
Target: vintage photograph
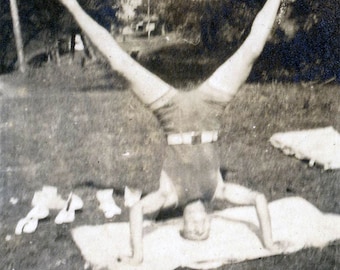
(168, 134)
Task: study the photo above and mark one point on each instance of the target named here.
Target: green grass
(73, 127)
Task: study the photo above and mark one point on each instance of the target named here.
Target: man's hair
(195, 210)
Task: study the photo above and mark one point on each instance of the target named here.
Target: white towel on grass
(234, 237)
(321, 146)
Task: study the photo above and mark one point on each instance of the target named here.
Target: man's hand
(278, 247)
(129, 260)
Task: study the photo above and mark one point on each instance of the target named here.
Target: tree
(17, 34)
(44, 24)
(305, 43)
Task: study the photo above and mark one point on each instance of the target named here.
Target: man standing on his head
(191, 121)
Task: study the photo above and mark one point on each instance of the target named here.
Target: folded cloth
(321, 146)
(107, 203)
(234, 237)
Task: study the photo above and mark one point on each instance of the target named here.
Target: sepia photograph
(169, 135)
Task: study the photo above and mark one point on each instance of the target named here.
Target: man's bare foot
(68, 2)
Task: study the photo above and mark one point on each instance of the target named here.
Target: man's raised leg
(228, 78)
(146, 85)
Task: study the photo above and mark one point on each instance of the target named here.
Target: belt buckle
(196, 139)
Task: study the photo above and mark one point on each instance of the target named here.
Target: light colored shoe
(67, 214)
(20, 226)
(74, 202)
(29, 224)
(38, 212)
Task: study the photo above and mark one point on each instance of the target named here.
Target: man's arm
(240, 195)
(233, 73)
(164, 197)
(147, 86)
(149, 204)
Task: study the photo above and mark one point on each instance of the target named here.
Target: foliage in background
(307, 42)
(45, 23)
(304, 45)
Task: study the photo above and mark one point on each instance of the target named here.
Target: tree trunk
(17, 35)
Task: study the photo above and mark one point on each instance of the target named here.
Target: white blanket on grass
(234, 237)
(321, 146)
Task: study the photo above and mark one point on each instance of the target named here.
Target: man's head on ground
(196, 222)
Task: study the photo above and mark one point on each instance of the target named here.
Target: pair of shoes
(67, 213)
(42, 202)
(107, 203)
(49, 198)
(29, 223)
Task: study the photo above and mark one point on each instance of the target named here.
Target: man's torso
(193, 169)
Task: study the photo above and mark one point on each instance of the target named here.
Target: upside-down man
(190, 174)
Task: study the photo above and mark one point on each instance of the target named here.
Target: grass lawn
(80, 129)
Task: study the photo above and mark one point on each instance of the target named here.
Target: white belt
(192, 137)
